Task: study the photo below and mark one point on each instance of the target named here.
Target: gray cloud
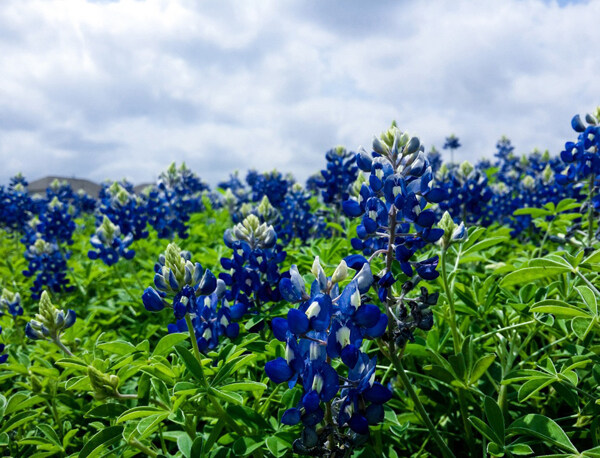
(112, 89)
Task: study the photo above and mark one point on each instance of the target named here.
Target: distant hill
(39, 186)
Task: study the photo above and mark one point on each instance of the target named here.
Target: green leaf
(118, 347)
(18, 420)
(100, 440)
(49, 432)
(3, 403)
(244, 386)
(139, 412)
(582, 326)
(277, 446)
(168, 342)
(484, 429)
(249, 417)
(543, 428)
(528, 274)
(593, 258)
(108, 410)
(487, 243)
(520, 449)
(162, 392)
(495, 449)
(589, 298)
(494, 417)
(148, 425)
(531, 387)
(246, 445)
(481, 366)
(184, 443)
(567, 204)
(534, 212)
(228, 397)
(190, 362)
(558, 307)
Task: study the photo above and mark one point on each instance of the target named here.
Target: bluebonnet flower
(109, 245)
(11, 302)
(435, 160)
(583, 167)
(338, 177)
(466, 190)
(325, 326)
(252, 273)
(212, 319)
(177, 281)
(3, 357)
(176, 196)
(235, 185)
(120, 204)
(297, 221)
(50, 264)
(271, 184)
(55, 223)
(84, 203)
(16, 206)
(195, 295)
(452, 143)
(394, 199)
(49, 322)
(312, 183)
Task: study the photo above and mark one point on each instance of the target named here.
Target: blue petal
(298, 322)
(280, 328)
(377, 394)
(291, 417)
(367, 315)
(152, 300)
(278, 370)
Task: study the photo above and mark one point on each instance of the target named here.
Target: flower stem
(590, 215)
(456, 341)
(142, 448)
(62, 346)
(221, 413)
(192, 332)
(417, 402)
(450, 298)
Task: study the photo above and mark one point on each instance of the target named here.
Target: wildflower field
(394, 305)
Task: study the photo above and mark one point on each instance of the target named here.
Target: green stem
(192, 332)
(122, 283)
(221, 413)
(541, 248)
(507, 328)
(590, 235)
(450, 298)
(418, 405)
(587, 282)
(142, 448)
(456, 341)
(60, 345)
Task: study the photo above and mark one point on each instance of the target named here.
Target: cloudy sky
(113, 89)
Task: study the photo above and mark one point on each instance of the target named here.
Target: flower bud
(341, 272)
(104, 385)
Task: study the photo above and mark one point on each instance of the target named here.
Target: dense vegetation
(394, 306)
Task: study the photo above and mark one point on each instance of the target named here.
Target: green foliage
(518, 377)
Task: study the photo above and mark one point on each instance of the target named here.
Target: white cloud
(120, 89)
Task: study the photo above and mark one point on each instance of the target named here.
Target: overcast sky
(113, 89)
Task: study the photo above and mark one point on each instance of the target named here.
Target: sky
(120, 89)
